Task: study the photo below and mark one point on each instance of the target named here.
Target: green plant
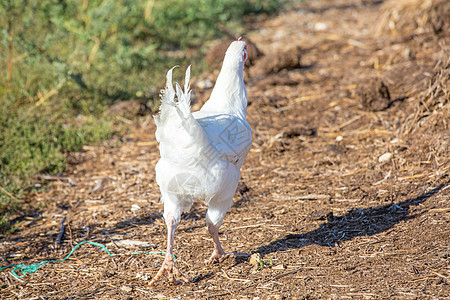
(5, 227)
(265, 264)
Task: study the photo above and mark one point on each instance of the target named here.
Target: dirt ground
(345, 192)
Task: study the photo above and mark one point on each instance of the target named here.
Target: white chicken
(202, 152)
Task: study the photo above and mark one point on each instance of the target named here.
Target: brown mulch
(345, 192)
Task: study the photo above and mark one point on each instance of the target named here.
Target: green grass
(35, 140)
(62, 63)
(107, 50)
(5, 227)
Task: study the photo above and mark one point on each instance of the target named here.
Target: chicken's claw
(169, 267)
(218, 257)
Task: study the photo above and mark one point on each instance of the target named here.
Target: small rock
(319, 26)
(255, 259)
(135, 207)
(385, 158)
(126, 289)
(339, 138)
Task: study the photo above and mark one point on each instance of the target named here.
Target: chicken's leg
(218, 252)
(168, 264)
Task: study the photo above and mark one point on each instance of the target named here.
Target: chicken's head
(236, 54)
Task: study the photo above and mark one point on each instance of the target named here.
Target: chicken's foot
(168, 265)
(218, 254)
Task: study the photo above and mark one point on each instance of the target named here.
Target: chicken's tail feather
(183, 105)
(176, 104)
(180, 135)
(167, 96)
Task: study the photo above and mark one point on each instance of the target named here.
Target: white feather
(202, 152)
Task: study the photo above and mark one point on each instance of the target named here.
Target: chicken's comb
(240, 39)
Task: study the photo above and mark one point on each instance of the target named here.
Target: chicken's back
(215, 171)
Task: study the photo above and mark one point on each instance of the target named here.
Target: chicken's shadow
(357, 222)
